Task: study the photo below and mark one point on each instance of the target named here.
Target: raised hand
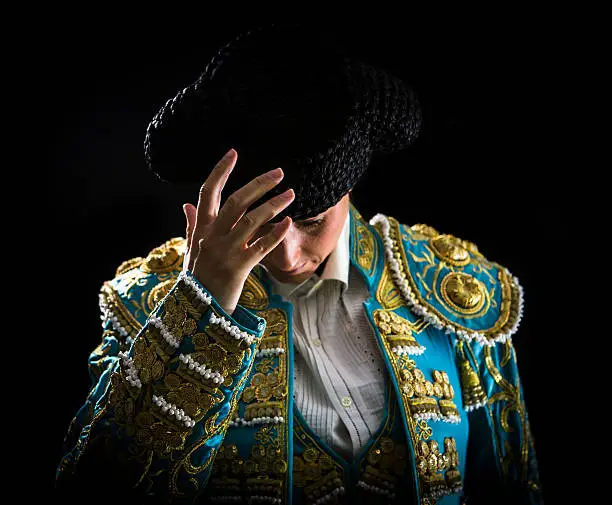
(224, 245)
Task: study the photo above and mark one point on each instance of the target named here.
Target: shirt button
(346, 401)
(316, 342)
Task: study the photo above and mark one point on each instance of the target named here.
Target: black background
(481, 170)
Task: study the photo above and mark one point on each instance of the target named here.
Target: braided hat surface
(283, 97)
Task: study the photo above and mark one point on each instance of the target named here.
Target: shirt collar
(336, 268)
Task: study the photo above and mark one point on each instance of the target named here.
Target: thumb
(190, 215)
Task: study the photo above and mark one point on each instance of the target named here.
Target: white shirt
(338, 369)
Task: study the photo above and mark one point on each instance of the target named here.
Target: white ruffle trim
(404, 288)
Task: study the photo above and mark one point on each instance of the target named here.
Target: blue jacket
(191, 405)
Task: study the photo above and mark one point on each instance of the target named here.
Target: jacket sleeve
(157, 411)
(502, 465)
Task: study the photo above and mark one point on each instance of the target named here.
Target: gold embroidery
(263, 472)
(421, 393)
(422, 231)
(408, 376)
(253, 295)
(431, 464)
(471, 389)
(116, 306)
(364, 243)
(128, 265)
(158, 292)
(165, 258)
(386, 292)
(315, 471)
(463, 293)
(397, 330)
(512, 395)
(450, 250)
(510, 298)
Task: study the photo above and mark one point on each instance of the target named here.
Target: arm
(502, 462)
(153, 422)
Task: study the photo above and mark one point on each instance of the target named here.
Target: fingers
(210, 192)
(251, 222)
(237, 204)
(264, 245)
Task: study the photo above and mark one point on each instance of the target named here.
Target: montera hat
(285, 97)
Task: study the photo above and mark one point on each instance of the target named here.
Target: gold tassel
(473, 395)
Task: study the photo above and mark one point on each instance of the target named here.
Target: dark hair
(283, 97)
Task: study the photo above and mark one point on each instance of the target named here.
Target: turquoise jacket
(191, 405)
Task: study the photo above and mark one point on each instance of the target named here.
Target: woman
(286, 350)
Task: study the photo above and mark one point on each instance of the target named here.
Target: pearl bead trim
(233, 330)
(411, 350)
(330, 495)
(108, 316)
(130, 369)
(205, 298)
(207, 373)
(469, 408)
(260, 498)
(239, 421)
(404, 288)
(157, 322)
(376, 489)
(269, 352)
(173, 411)
(431, 416)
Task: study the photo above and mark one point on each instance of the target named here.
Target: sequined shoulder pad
(450, 283)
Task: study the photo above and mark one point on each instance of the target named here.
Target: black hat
(285, 97)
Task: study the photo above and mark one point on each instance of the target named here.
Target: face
(307, 244)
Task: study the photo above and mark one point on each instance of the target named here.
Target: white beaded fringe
(207, 373)
(410, 350)
(173, 411)
(233, 330)
(479, 405)
(130, 369)
(108, 315)
(269, 352)
(259, 498)
(376, 489)
(239, 421)
(330, 495)
(406, 291)
(202, 296)
(157, 322)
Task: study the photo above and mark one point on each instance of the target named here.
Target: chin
(294, 279)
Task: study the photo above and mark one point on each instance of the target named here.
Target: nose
(286, 255)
